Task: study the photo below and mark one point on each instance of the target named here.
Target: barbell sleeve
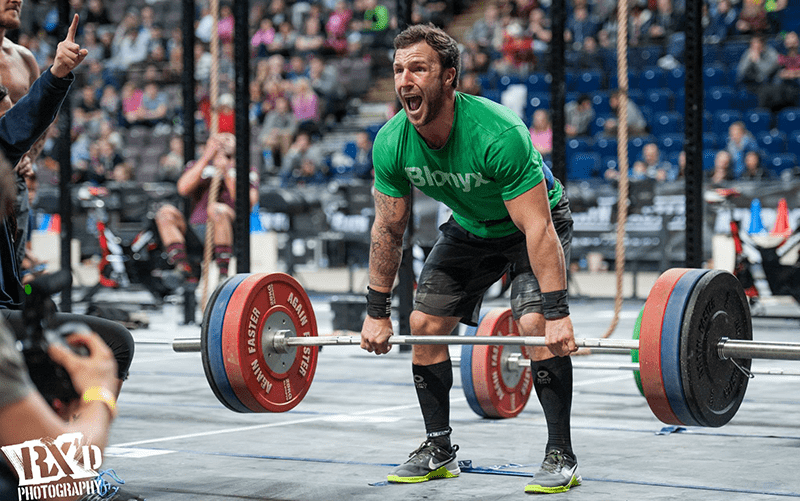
(742, 348)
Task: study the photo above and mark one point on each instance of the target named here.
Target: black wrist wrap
(555, 305)
(379, 304)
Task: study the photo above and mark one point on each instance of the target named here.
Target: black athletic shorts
(117, 337)
(461, 267)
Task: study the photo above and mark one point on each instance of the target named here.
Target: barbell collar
(186, 344)
(741, 348)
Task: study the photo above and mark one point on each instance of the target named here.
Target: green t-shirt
(488, 158)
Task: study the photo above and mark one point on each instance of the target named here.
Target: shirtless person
(18, 71)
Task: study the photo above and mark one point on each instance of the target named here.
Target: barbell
(259, 337)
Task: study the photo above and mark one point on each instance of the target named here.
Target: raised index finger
(73, 28)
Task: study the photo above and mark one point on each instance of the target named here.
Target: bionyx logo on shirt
(50, 468)
(423, 176)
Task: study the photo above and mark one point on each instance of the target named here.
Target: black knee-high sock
(552, 379)
(433, 383)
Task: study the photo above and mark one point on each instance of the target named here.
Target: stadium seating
(583, 166)
(758, 121)
(781, 162)
(723, 119)
(772, 144)
(666, 123)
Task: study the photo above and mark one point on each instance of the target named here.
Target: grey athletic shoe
(427, 462)
(558, 473)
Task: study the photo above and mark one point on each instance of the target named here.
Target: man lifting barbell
(509, 214)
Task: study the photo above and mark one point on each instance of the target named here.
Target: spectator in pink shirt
(542, 132)
(263, 37)
(305, 104)
(225, 24)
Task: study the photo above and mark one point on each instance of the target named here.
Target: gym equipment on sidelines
(695, 346)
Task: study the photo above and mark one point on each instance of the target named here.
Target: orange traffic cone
(782, 228)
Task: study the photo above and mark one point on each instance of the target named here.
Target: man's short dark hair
(583, 98)
(438, 40)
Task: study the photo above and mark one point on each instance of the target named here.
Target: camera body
(50, 378)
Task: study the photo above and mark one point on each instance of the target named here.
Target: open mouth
(414, 103)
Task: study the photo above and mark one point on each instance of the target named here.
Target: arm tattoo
(386, 245)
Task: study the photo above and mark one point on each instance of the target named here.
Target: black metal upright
(558, 20)
(189, 108)
(65, 169)
(241, 47)
(693, 145)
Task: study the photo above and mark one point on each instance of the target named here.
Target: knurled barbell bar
(259, 333)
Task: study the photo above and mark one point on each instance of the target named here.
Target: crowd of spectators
(751, 82)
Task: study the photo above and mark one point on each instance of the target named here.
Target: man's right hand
(97, 369)
(375, 335)
(68, 53)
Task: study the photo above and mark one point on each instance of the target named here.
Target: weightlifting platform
(174, 440)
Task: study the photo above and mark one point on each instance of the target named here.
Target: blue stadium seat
(351, 149)
(507, 80)
(588, 81)
(598, 124)
(372, 130)
(711, 141)
(583, 166)
(607, 163)
(793, 143)
(666, 123)
(782, 161)
(718, 98)
(637, 96)
(745, 100)
(714, 76)
(538, 82)
(679, 100)
(708, 159)
(670, 143)
(577, 145)
(487, 81)
(676, 78)
(652, 78)
(660, 100)
(771, 143)
(732, 52)
(492, 94)
(758, 121)
(538, 100)
(636, 145)
(600, 102)
(711, 53)
(789, 119)
(643, 57)
(723, 119)
(790, 18)
(606, 146)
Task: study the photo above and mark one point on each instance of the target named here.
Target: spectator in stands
(757, 66)
(89, 104)
(325, 83)
(587, 57)
(655, 167)
(516, 49)
(305, 105)
(486, 32)
(310, 40)
(785, 89)
(302, 149)
(723, 22)
(336, 28)
(607, 36)
(262, 38)
(666, 23)
(740, 141)
(579, 27)
(131, 101)
(97, 13)
(107, 132)
(202, 62)
(362, 165)
(284, 40)
(152, 109)
(637, 125)
(225, 24)
(722, 168)
(470, 84)
(579, 115)
(539, 30)
(195, 182)
(753, 170)
(110, 104)
(297, 68)
(753, 18)
(542, 132)
(277, 133)
(130, 42)
(638, 22)
(171, 163)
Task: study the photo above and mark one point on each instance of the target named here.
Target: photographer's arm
(32, 418)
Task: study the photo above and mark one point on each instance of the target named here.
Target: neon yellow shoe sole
(539, 489)
(441, 472)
